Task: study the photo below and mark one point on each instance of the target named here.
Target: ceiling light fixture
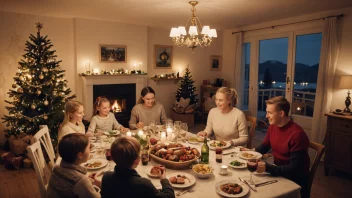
(194, 38)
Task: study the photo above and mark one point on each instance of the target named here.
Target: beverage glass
(169, 123)
(184, 129)
(145, 157)
(252, 165)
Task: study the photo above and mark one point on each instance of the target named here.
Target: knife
(245, 182)
(265, 183)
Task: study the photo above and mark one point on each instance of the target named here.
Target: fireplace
(122, 99)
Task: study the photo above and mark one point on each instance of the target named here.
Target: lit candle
(135, 66)
(163, 136)
(126, 71)
(140, 133)
(162, 75)
(96, 71)
(129, 133)
(169, 132)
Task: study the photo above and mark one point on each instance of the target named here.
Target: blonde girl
(226, 121)
(72, 123)
(103, 119)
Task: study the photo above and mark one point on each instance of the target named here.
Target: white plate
(242, 166)
(104, 162)
(256, 155)
(115, 132)
(149, 174)
(189, 181)
(228, 144)
(245, 188)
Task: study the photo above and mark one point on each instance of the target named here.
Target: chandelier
(194, 38)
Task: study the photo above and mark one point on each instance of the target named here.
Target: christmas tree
(186, 88)
(39, 92)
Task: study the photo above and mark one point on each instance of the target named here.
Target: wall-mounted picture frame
(163, 56)
(113, 53)
(215, 63)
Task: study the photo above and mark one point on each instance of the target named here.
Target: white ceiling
(220, 14)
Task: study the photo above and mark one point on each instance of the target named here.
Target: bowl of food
(202, 170)
(174, 156)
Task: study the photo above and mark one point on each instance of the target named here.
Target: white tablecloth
(206, 187)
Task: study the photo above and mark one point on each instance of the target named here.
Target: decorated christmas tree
(186, 88)
(39, 92)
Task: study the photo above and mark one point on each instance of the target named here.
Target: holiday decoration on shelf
(120, 71)
(37, 82)
(185, 95)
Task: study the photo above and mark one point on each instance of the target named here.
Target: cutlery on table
(245, 182)
(186, 191)
(265, 183)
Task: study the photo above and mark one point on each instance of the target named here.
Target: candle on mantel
(169, 132)
(126, 71)
(163, 136)
(129, 133)
(162, 75)
(140, 133)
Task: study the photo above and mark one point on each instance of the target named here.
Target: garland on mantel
(120, 71)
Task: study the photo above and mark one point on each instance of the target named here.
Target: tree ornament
(46, 102)
(53, 77)
(44, 69)
(62, 94)
(30, 91)
(33, 106)
(41, 76)
(54, 93)
(39, 92)
(45, 117)
(14, 85)
(21, 78)
(20, 90)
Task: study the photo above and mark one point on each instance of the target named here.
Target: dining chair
(319, 150)
(44, 138)
(251, 123)
(41, 168)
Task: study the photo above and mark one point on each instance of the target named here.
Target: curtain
(239, 70)
(328, 58)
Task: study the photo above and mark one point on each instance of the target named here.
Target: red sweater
(287, 139)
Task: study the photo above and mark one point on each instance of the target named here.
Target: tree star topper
(39, 26)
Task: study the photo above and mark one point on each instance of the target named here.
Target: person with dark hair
(226, 121)
(147, 110)
(124, 181)
(289, 144)
(69, 178)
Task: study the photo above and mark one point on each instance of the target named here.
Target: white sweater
(103, 124)
(69, 127)
(228, 126)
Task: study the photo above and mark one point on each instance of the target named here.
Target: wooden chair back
(252, 124)
(44, 138)
(41, 168)
(319, 150)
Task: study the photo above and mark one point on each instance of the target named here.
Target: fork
(186, 191)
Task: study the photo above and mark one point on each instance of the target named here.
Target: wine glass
(184, 129)
(252, 165)
(169, 123)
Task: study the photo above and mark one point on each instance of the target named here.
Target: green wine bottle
(205, 152)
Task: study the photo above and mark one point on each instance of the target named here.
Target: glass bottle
(218, 154)
(205, 152)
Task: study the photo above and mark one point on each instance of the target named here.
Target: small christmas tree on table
(185, 94)
(39, 92)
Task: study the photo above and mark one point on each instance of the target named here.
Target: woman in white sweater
(226, 121)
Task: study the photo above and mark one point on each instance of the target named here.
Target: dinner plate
(256, 155)
(228, 145)
(151, 175)
(113, 132)
(189, 181)
(245, 188)
(242, 166)
(104, 162)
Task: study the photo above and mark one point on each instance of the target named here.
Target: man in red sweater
(289, 144)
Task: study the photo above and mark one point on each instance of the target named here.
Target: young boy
(124, 181)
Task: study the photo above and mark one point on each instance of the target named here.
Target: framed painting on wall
(113, 53)
(163, 56)
(215, 63)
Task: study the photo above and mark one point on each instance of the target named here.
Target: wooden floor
(23, 183)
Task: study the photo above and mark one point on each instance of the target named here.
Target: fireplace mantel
(89, 81)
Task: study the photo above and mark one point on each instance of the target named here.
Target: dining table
(204, 188)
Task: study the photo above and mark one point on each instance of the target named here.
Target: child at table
(124, 181)
(72, 123)
(103, 120)
(69, 178)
